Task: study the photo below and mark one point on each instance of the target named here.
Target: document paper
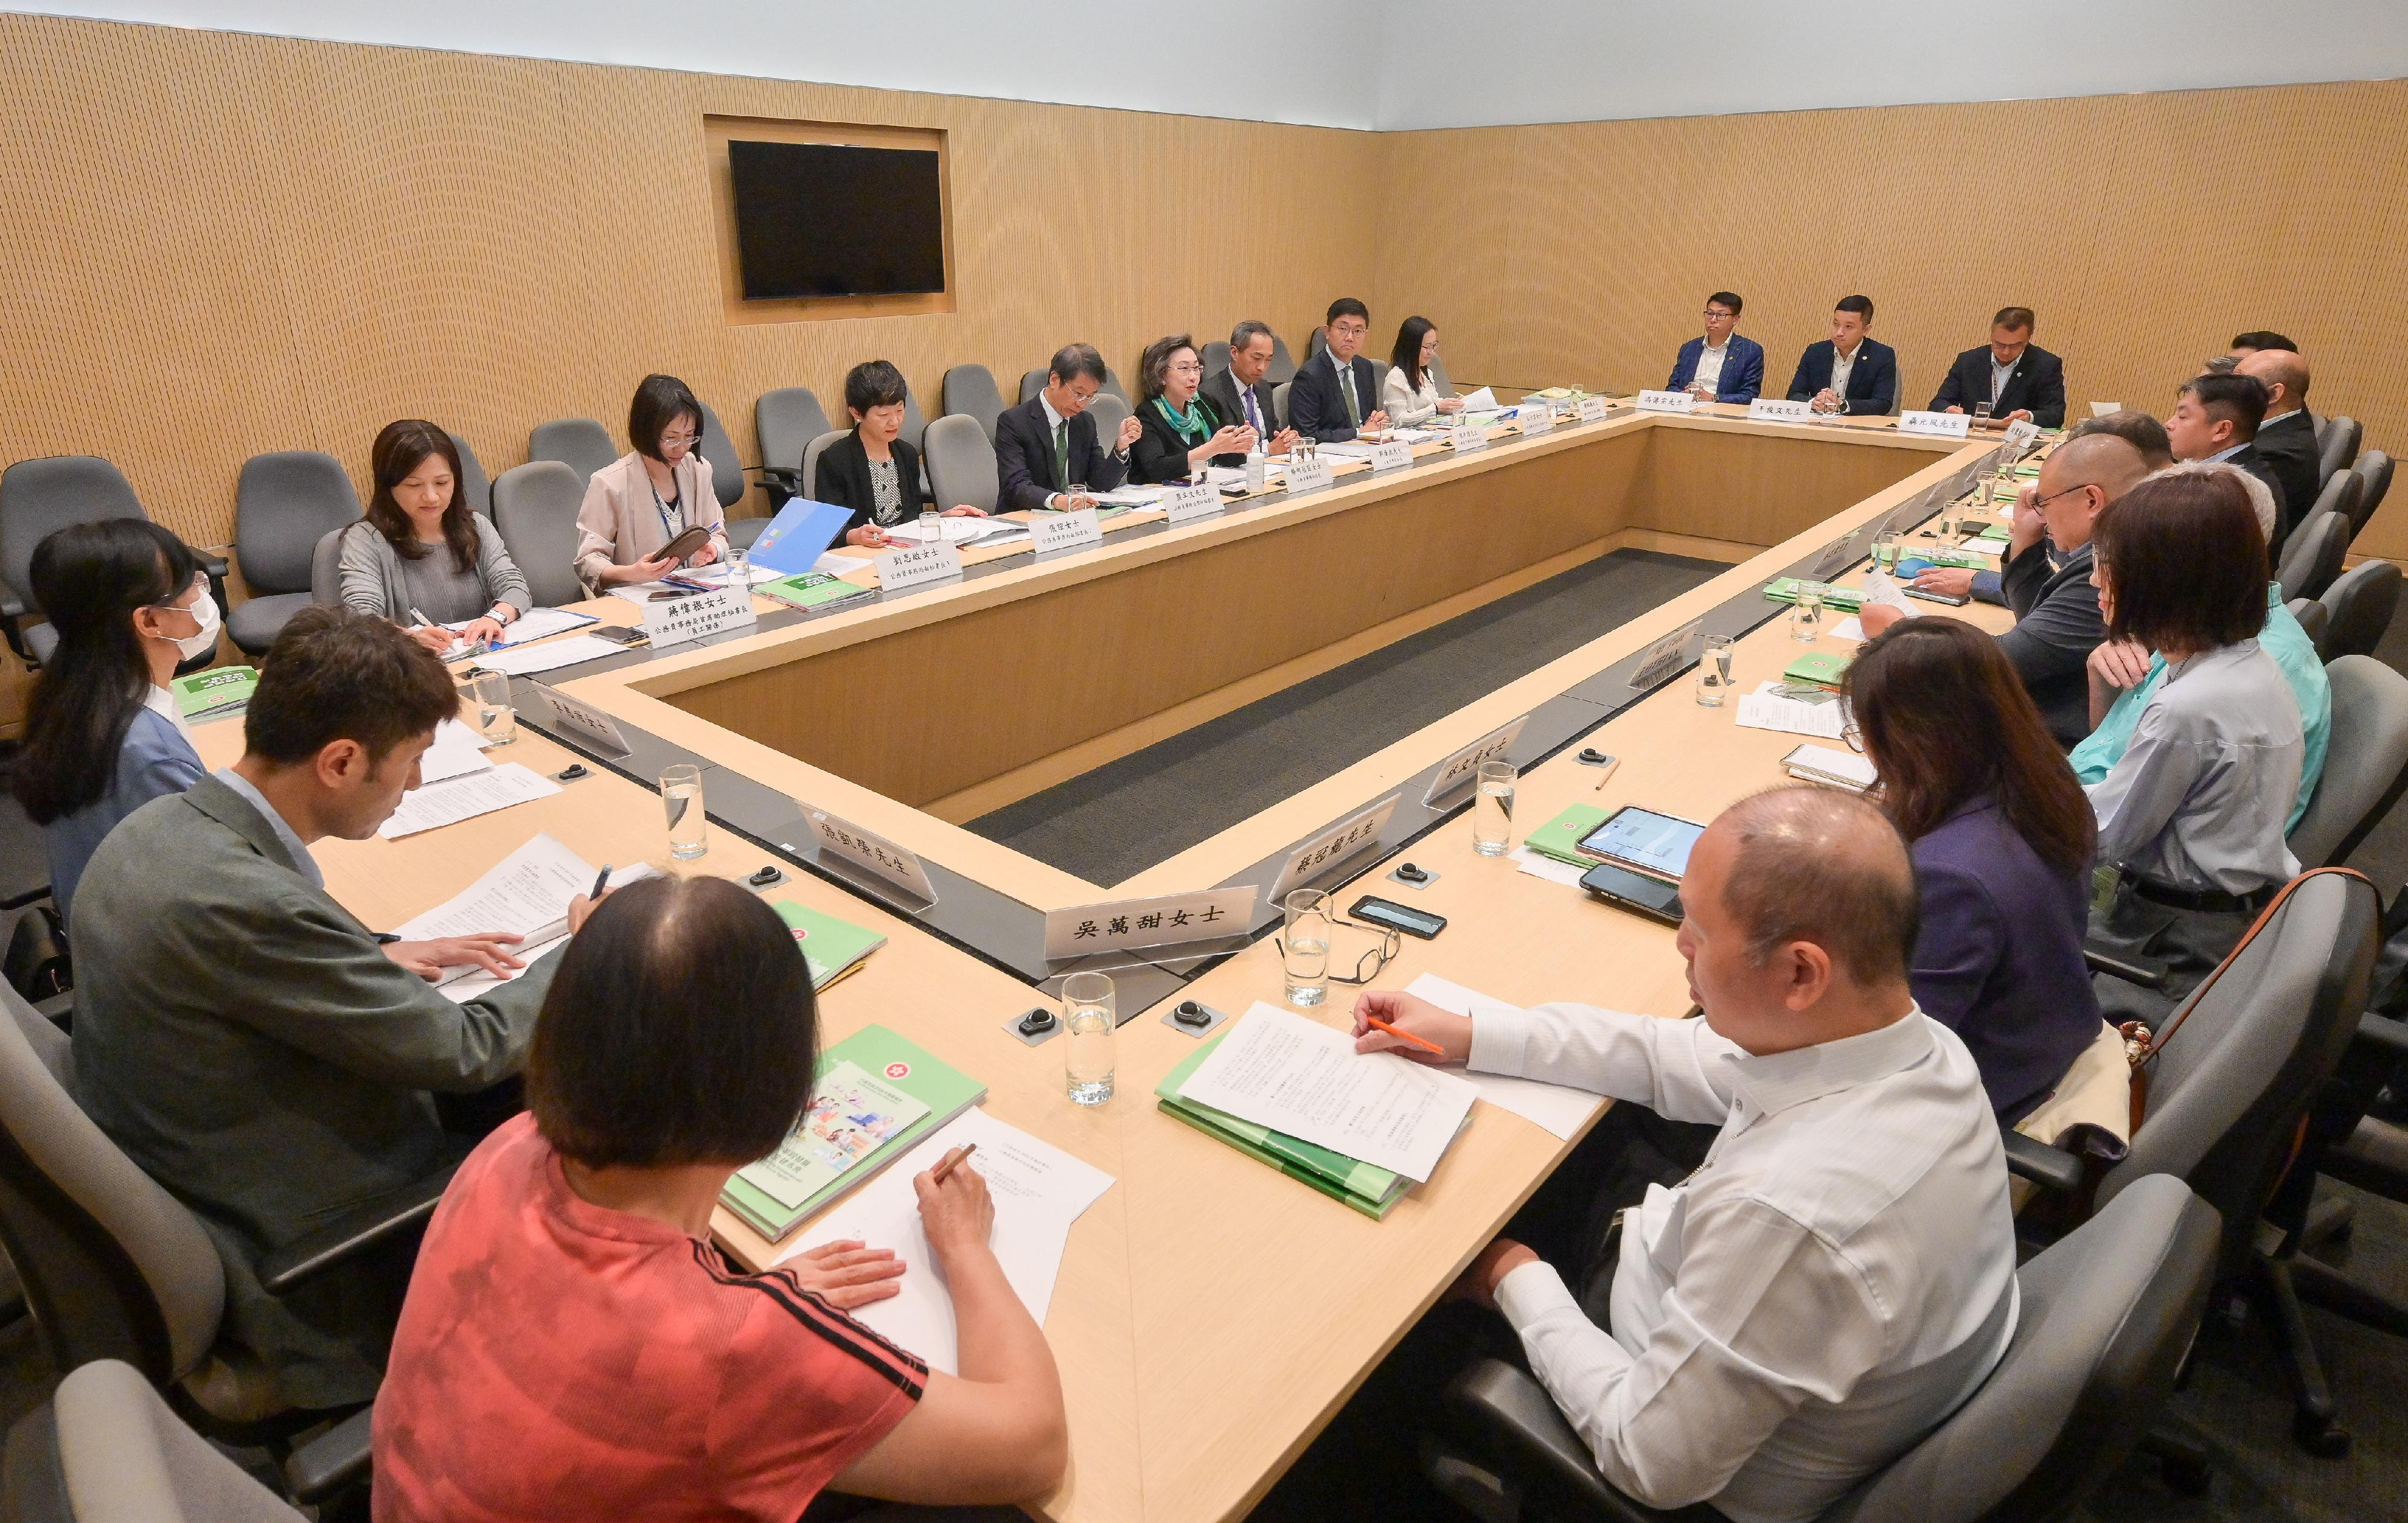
(526, 895)
(466, 797)
(457, 751)
(1766, 709)
(1279, 1069)
(1039, 1191)
(526, 660)
(1560, 1108)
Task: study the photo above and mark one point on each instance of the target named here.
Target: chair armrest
(351, 1235)
(213, 565)
(57, 1008)
(788, 477)
(11, 606)
(334, 1463)
(1509, 1419)
(31, 895)
(2051, 1168)
(2145, 971)
(2382, 1036)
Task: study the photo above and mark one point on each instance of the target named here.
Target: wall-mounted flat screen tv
(827, 219)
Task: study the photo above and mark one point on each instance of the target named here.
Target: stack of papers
(1833, 768)
(526, 660)
(526, 895)
(1785, 590)
(1482, 400)
(1134, 496)
(220, 690)
(465, 797)
(812, 589)
(456, 751)
(534, 625)
(968, 531)
(1560, 1108)
(1767, 709)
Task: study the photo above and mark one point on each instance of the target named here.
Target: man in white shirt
(1838, 1275)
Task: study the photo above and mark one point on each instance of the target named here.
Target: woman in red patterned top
(574, 1347)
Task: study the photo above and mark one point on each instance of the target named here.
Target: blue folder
(800, 535)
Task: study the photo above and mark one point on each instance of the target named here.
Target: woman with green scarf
(1181, 433)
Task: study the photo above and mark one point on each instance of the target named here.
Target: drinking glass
(1304, 947)
(1492, 808)
(739, 574)
(496, 720)
(1806, 613)
(931, 527)
(682, 797)
(1088, 1023)
(1714, 670)
(1886, 549)
(1074, 491)
(1980, 413)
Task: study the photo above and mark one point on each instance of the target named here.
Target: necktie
(1062, 454)
(1254, 414)
(1346, 385)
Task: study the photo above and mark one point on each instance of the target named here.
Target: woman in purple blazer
(2002, 837)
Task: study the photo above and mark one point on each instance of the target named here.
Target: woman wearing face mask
(640, 502)
(103, 736)
(421, 551)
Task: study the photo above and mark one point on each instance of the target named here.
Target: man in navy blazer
(1721, 367)
(1848, 372)
(1048, 443)
(2022, 382)
(1336, 394)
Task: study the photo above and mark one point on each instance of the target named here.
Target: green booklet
(830, 946)
(1816, 668)
(217, 691)
(1368, 1188)
(1786, 591)
(1560, 837)
(812, 588)
(876, 1095)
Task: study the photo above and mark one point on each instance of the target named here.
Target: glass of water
(1088, 1024)
(682, 797)
(1072, 492)
(1980, 413)
(1714, 670)
(1806, 613)
(497, 720)
(739, 569)
(1492, 808)
(1886, 549)
(1304, 947)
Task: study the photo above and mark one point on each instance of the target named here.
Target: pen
(1404, 1036)
(419, 616)
(601, 881)
(951, 1164)
(1605, 774)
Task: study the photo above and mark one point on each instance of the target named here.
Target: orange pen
(1404, 1036)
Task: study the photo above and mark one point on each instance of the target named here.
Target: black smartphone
(1934, 597)
(1388, 913)
(1650, 898)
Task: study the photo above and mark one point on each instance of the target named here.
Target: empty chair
(787, 420)
(2373, 473)
(811, 459)
(727, 467)
(535, 509)
(2313, 620)
(284, 502)
(960, 461)
(2366, 761)
(475, 487)
(1279, 401)
(38, 497)
(969, 391)
(1109, 412)
(1282, 364)
(2311, 556)
(2357, 608)
(2337, 446)
(579, 443)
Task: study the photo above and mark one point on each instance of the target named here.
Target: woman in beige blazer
(645, 499)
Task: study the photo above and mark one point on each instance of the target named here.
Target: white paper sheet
(1850, 628)
(526, 660)
(1766, 709)
(526, 895)
(1039, 1191)
(466, 797)
(1540, 865)
(456, 751)
(716, 575)
(1482, 400)
(1882, 591)
(1282, 1070)
(835, 563)
(1133, 497)
(534, 625)
(1560, 1108)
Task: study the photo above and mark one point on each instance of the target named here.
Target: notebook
(1786, 591)
(1816, 668)
(220, 690)
(831, 947)
(1365, 1187)
(811, 589)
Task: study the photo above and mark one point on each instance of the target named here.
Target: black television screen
(824, 220)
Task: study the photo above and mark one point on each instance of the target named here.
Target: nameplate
(1592, 410)
(1779, 409)
(1212, 914)
(1665, 402)
(1347, 838)
(1464, 765)
(1311, 475)
(1188, 503)
(899, 570)
(682, 619)
(584, 719)
(2021, 436)
(1394, 455)
(1838, 553)
(1534, 418)
(1049, 532)
(1663, 658)
(870, 852)
(1939, 424)
(1467, 438)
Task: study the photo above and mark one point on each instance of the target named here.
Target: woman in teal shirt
(1180, 433)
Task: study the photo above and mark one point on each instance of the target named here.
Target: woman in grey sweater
(421, 557)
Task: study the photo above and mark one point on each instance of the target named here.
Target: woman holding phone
(636, 506)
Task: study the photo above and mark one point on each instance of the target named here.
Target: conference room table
(1211, 1314)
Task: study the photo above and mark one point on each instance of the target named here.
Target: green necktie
(1346, 385)
(1061, 456)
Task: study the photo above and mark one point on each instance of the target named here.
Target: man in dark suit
(2022, 382)
(1720, 367)
(1849, 371)
(1242, 392)
(1047, 444)
(1336, 394)
(2287, 439)
(2215, 418)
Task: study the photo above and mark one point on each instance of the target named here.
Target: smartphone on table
(1650, 898)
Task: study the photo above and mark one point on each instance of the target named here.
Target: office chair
(283, 503)
(1279, 402)
(535, 511)
(475, 487)
(2311, 557)
(726, 467)
(811, 456)
(106, 1449)
(786, 420)
(2106, 1316)
(2366, 762)
(2337, 446)
(1031, 383)
(1282, 364)
(326, 569)
(2228, 1092)
(579, 443)
(1112, 387)
(2313, 620)
(969, 391)
(2373, 473)
(1315, 344)
(1439, 378)
(961, 463)
(38, 497)
(1216, 358)
(2339, 494)
(2358, 608)
(1109, 412)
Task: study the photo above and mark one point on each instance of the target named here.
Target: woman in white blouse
(1410, 395)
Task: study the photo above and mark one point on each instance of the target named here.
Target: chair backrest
(38, 497)
(812, 457)
(2227, 1090)
(326, 569)
(2105, 1316)
(961, 463)
(969, 391)
(1283, 363)
(2337, 446)
(475, 487)
(787, 420)
(1031, 383)
(1216, 358)
(2373, 473)
(1109, 412)
(124, 1456)
(915, 423)
(1313, 345)
(579, 443)
(2366, 761)
(2339, 494)
(2311, 556)
(726, 465)
(1112, 387)
(113, 1266)
(535, 509)
(282, 502)
(1437, 377)
(2313, 620)
(2358, 608)
(1279, 402)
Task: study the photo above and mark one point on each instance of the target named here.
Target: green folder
(1560, 837)
(1816, 668)
(1368, 1188)
(811, 589)
(1948, 558)
(1993, 531)
(1846, 598)
(217, 691)
(830, 946)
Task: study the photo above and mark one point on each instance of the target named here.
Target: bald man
(1840, 1273)
(2286, 439)
(2047, 578)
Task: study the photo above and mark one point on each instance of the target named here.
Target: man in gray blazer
(248, 1042)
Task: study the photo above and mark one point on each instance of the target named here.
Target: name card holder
(1780, 409)
(1534, 418)
(1464, 765)
(1467, 438)
(1395, 454)
(1346, 839)
(1663, 658)
(1186, 504)
(1084, 931)
(872, 852)
(1313, 476)
(586, 720)
(1052, 532)
(682, 619)
(1665, 402)
(2021, 436)
(1592, 410)
(1937, 425)
(899, 570)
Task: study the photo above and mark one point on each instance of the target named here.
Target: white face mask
(205, 639)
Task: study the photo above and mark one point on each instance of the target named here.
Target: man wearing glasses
(1722, 366)
(1337, 394)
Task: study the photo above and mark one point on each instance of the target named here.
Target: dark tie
(1254, 415)
(1346, 386)
(1062, 454)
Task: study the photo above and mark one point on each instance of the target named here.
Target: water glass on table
(1714, 670)
(681, 797)
(497, 721)
(739, 574)
(1492, 808)
(1806, 613)
(1885, 548)
(1981, 414)
(1304, 947)
(1088, 1024)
